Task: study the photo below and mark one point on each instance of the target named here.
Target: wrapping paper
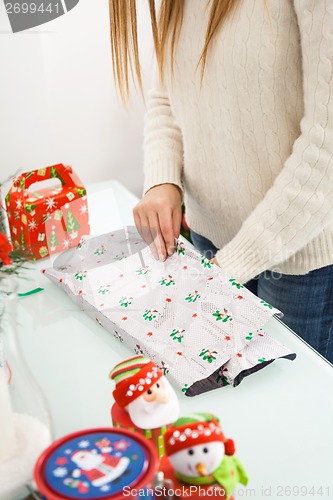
(202, 327)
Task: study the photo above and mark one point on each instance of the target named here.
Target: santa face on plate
(199, 460)
(99, 468)
(156, 407)
(87, 460)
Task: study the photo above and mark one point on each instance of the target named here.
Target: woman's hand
(157, 218)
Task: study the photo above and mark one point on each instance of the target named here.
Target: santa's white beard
(147, 415)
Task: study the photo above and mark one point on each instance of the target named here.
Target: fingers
(137, 221)
(157, 244)
(176, 220)
(148, 227)
(156, 229)
(171, 229)
(157, 218)
(167, 232)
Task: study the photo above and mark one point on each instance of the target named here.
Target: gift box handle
(61, 172)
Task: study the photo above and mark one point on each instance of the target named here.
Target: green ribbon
(31, 292)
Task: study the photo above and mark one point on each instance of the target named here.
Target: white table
(281, 418)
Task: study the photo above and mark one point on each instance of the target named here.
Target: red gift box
(48, 220)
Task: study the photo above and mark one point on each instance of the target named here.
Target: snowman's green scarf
(229, 473)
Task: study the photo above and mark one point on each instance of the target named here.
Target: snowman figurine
(201, 455)
(144, 399)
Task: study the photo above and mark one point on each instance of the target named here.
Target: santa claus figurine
(199, 454)
(144, 399)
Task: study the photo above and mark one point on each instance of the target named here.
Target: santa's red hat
(199, 428)
(133, 377)
(77, 452)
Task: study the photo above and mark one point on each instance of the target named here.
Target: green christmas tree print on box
(72, 224)
(22, 240)
(53, 243)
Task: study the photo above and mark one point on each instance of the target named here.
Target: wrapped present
(200, 326)
(44, 221)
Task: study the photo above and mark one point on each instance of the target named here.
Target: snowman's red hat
(133, 377)
(199, 428)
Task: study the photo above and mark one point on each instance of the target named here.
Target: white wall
(58, 101)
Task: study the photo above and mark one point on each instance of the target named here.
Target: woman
(240, 122)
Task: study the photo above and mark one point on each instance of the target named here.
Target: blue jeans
(306, 300)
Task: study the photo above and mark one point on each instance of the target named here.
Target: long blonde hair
(124, 35)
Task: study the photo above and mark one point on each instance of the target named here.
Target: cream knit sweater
(253, 149)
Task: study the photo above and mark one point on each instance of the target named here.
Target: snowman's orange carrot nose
(201, 469)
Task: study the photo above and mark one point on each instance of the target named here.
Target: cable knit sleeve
(299, 204)
(163, 145)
